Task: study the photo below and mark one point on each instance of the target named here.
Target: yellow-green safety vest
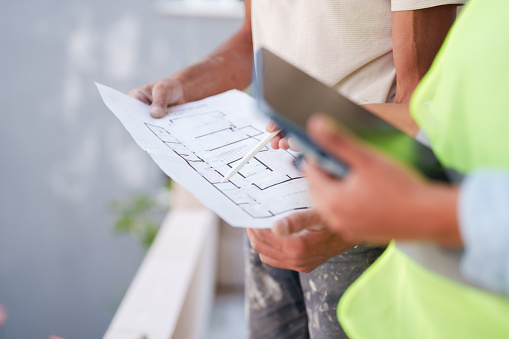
(462, 107)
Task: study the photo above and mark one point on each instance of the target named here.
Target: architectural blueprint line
(216, 152)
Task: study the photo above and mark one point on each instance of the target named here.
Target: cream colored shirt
(347, 44)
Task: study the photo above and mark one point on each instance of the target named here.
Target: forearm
(397, 115)
(226, 68)
(436, 211)
(431, 209)
(402, 204)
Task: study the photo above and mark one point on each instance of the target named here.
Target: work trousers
(287, 304)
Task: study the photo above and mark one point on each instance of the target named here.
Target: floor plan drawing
(218, 145)
(196, 144)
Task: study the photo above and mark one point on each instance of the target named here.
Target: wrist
(437, 216)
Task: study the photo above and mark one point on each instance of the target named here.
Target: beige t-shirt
(347, 44)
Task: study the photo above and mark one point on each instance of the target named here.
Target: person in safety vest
(460, 108)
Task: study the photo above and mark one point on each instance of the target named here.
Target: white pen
(250, 155)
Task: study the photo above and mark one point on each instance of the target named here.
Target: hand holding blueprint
(197, 143)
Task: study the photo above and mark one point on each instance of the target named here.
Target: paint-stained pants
(287, 304)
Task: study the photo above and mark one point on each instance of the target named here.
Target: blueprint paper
(197, 143)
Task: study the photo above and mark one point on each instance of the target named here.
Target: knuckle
(290, 264)
(264, 259)
(159, 92)
(255, 245)
(268, 261)
(294, 221)
(301, 267)
(253, 241)
(312, 215)
(160, 82)
(296, 267)
(163, 84)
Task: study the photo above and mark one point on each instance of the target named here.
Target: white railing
(172, 293)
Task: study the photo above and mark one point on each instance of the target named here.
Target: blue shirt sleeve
(484, 226)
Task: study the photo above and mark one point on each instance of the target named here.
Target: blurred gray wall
(64, 156)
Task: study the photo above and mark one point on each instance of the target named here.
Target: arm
(416, 38)
(228, 67)
(397, 115)
(378, 199)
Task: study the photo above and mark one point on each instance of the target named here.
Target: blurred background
(69, 172)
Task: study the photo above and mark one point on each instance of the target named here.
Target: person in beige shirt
(372, 51)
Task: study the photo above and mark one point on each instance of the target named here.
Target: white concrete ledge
(172, 292)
